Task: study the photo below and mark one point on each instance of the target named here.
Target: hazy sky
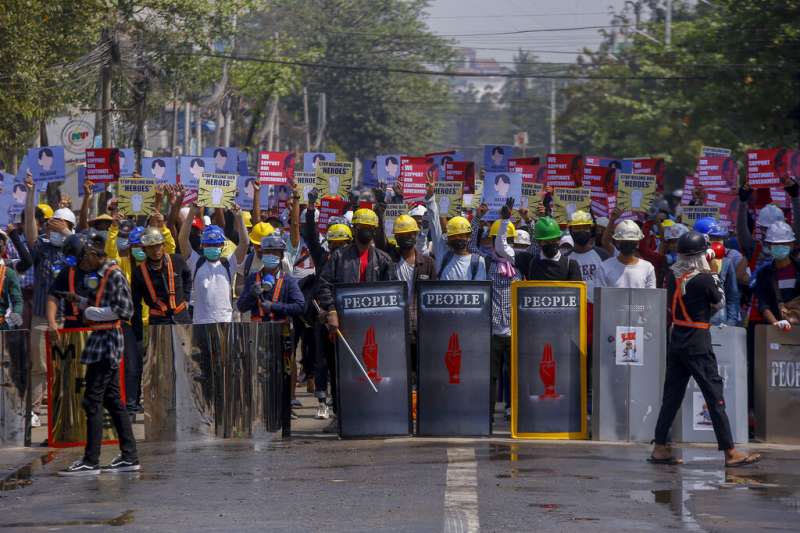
(447, 17)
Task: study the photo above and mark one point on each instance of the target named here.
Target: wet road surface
(322, 483)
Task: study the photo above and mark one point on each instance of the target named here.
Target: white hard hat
(628, 230)
(601, 221)
(779, 232)
(65, 214)
(418, 211)
(522, 237)
(768, 215)
(675, 231)
(349, 217)
(566, 239)
(206, 220)
(305, 213)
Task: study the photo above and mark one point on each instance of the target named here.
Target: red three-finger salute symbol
(547, 373)
(452, 358)
(369, 353)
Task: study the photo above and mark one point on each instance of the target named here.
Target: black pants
(326, 365)
(501, 355)
(102, 390)
(134, 362)
(703, 368)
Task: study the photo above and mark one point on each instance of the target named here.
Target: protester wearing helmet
(777, 283)
(522, 250)
(420, 214)
(693, 294)
(212, 274)
(626, 270)
(10, 292)
(588, 256)
(728, 314)
(551, 264)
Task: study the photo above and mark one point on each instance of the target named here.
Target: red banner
(717, 174)
(654, 166)
(102, 165)
(330, 206)
(766, 167)
(275, 168)
(564, 170)
(527, 166)
(413, 178)
(461, 171)
(727, 203)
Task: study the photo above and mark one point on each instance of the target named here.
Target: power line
(515, 15)
(491, 34)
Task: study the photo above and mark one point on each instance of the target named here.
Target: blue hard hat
(273, 242)
(135, 236)
(213, 235)
(709, 226)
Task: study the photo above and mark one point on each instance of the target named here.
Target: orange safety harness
(677, 301)
(2, 283)
(276, 292)
(76, 313)
(159, 308)
(99, 298)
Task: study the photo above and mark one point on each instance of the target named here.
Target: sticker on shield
(629, 348)
(701, 417)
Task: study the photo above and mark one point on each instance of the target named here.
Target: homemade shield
(777, 384)
(66, 419)
(453, 369)
(373, 319)
(13, 386)
(629, 347)
(212, 380)
(548, 360)
(693, 422)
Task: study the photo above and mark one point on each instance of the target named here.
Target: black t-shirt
(61, 285)
(702, 292)
(565, 269)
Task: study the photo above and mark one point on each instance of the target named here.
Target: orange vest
(99, 298)
(159, 308)
(677, 302)
(276, 292)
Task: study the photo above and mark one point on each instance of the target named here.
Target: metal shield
(777, 384)
(373, 319)
(629, 351)
(13, 386)
(693, 423)
(548, 360)
(453, 366)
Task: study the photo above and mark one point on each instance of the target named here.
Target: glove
(332, 320)
(744, 194)
(782, 324)
(14, 320)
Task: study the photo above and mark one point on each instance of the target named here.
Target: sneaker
(79, 468)
(36, 422)
(323, 412)
(294, 416)
(296, 403)
(119, 464)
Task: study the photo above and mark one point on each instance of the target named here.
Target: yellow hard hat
(248, 219)
(392, 241)
(580, 218)
(259, 231)
(511, 231)
(365, 217)
(405, 224)
(458, 226)
(46, 209)
(667, 223)
(339, 232)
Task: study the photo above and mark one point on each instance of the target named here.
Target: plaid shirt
(26, 278)
(108, 344)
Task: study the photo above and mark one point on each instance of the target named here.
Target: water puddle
(22, 477)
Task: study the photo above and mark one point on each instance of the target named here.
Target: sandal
(666, 461)
(748, 460)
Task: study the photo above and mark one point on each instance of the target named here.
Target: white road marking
(461, 493)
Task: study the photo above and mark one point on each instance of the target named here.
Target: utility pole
(174, 141)
(105, 91)
(228, 122)
(198, 130)
(305, 117)
(321, 121)
(552, 116)
(668, 25)
(187, 129)
(272, 122)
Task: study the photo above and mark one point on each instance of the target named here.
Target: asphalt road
(316, 482)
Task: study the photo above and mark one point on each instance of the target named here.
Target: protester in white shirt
(626, 270)
(587, 255)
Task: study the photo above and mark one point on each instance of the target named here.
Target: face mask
(780, 251)
(138, 254)
(212, 254)
(406, 243)
(550, 250)
(270, 262)
(56, 238)
(365, 235)
(122, 244)
(582, 237)
(565, 251)
(627, 247)
(458, 245)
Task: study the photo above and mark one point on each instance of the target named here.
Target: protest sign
(275, 168)
(47, 164)
(127, 162)
(440, 159)
(310, 160)
(136, 196)
(278, 198)
(532, 197)
(568, 200)
(635, 192)
(527, 166)
(717, 173)
(498, 188)
(475, 198)
(603, 161)
(600, 180)
(242, 167)
(102, 165)
(335, 178)
(246, 192)
(390, 215)
(96, 187)
(14, 195)
(217, 190)
(688, 190)
(495, 157)
(305, 181)
(727, 202)
(710, 151)
(692, 213)
(413, 178)
(388, 168)
(370, 173)
(162, 169)
(463, 171)
(449, 196)
(564, 170)
(192, 169)
(226, 159)
(764, 167)
(330, 206)
(650, 165)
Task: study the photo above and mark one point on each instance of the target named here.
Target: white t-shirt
(613, 273)
(405, 272)
(590, 263)
(459, 269)
(211, 291)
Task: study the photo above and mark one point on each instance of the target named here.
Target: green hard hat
(546, 229)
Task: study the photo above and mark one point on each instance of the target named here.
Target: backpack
(202, 261)
(474, 263)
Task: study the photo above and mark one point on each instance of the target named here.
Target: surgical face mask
(122, 244)
(550, 249)
(458, 245)
(780, 251)
(582, 238)
(627, 247)
(212, 254)
(365, 235)
(138, 254)
(270, 262)
(56, 238)
(406, 243)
